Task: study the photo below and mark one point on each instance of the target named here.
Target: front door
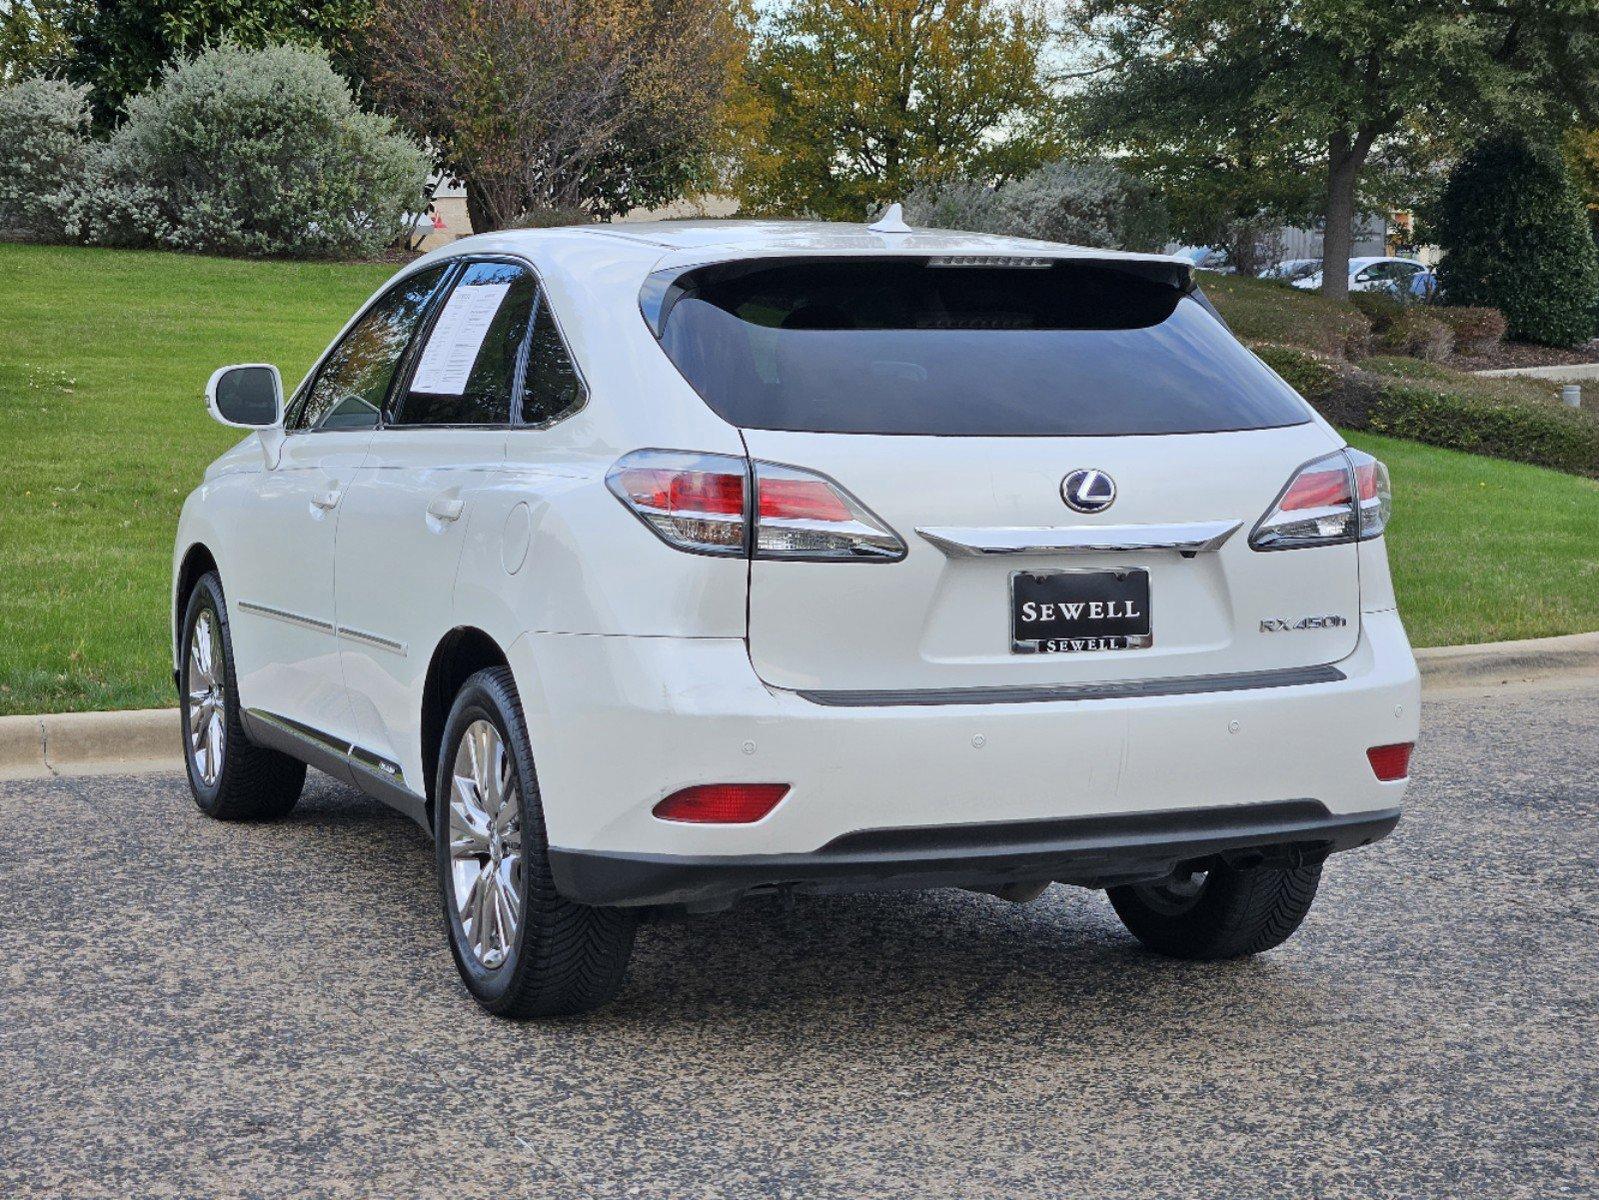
(280, 585)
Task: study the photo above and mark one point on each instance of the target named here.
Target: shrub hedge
(44, 131)
(1477, 330)
(1516, 237)
(1416, 332)
(240, 151)
(1260, 311)
(1502, 418)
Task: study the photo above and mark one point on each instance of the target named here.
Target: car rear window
(927, 346)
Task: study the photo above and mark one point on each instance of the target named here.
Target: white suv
(655, 566)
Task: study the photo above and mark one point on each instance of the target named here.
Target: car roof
(692, 242)
(1356, 263)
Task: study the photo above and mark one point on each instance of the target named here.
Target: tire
(251, 783)
(555, 958)
(1229, 913)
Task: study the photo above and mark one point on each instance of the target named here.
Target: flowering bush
(44, 148)
(252, 152)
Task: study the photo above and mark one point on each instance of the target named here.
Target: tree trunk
(1345, 158)
(478, 208)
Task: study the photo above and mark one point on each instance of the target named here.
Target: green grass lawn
(104, 354)
(103, 430)
(1484, 550)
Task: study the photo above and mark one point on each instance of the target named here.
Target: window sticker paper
(456, 339)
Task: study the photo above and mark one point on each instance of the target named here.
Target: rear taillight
(701, 503)
(800, 514)
(1343, 497)
(721, 803)
(1390, 763)
(693, 502)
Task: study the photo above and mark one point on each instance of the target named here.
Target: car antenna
(892, 221)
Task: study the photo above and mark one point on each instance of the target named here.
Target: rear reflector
(1391, 762)
(722, 803)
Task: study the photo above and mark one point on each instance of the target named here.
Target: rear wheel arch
(460, 654)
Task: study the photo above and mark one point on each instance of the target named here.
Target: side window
(349, 389)
(467, 370)
(551, 388)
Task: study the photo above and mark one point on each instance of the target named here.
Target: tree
(119, 47)
(1516, 238)
(1331, 81)
(32, 39)
(560, 105)
(849, 104)
(1581, 148)
(1085, 203)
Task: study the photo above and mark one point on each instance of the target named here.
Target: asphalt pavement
(189, 1008)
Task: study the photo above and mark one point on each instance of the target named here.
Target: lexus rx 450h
(651, 567)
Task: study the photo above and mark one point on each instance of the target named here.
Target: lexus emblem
(1088, 490)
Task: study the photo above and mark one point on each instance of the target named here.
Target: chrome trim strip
(309, 733)
(377, 764)
(283, 614)
(1132, 689)
(1195, 537)
(372, 639)
(355, 755)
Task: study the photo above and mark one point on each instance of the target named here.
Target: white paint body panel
(643, 669)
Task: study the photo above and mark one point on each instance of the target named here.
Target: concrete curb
(1507, 662)
(104, 743)
(92, 743)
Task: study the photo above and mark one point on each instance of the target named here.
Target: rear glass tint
(904, 346)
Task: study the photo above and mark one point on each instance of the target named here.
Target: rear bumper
(617, 723)
(1090, 851)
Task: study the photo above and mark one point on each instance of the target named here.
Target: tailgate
(990, 507)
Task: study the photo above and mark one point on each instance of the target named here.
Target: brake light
(800, 499)
(693, 502)
(721, 803)
(1389, 763)
(698, 503)
(1343, 497)
(803, 515)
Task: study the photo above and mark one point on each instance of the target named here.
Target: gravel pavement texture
(189, 1008)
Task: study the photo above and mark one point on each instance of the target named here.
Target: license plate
(1059, 612)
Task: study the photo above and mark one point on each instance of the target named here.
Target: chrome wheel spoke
(486, 844)
(207, 713)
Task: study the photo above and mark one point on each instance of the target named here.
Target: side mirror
(247, 396)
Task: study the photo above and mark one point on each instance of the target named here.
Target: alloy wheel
(207, 692)
(486, 844)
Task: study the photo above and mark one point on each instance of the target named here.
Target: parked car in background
(650, 567)
(1291, 269)
(1207, 258)
(1406, 277)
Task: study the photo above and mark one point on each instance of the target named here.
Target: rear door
(955, 401)
(409, 508)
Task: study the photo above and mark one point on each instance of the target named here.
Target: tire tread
(574, 957)
(1240, 912)
(257, 783)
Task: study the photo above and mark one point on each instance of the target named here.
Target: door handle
(446, 508)
(327, 500)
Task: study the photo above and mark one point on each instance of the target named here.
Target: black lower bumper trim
(1096, 851)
